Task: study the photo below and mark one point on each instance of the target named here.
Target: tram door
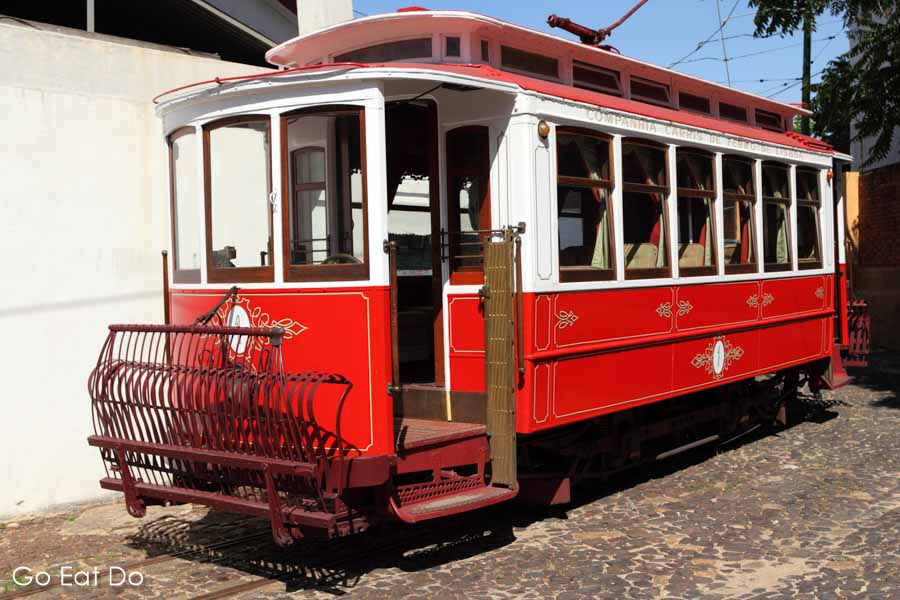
(414, 223)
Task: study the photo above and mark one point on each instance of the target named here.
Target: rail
(207, 414)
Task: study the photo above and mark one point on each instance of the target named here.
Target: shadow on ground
(882, 376)
(245, 543)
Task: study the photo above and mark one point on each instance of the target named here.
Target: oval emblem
(718, 357)
(238, 317)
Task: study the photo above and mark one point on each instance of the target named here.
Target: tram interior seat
(641, 256)
(222, 258)
(732, 250)
(691, 255)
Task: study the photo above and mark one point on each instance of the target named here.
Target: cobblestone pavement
(809, 512)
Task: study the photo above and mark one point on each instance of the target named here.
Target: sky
(665, 31)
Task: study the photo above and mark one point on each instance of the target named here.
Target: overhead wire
(758, 52)
(722, 38)
(785, 87)
(722, 24)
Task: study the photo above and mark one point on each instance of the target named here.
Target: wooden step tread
(469, 500)
(415, 433)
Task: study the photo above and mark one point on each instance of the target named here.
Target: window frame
(320, 272)
(691, 97)
(347, 55)
(466, 274)
(261, 274)
(807, 264)
(647, 99)
(736, 107)
(766, 114)
(786, 202)
(641, 188)
(710, 196)
(179, 275)
(528, 72)
(576, 274)
(751, 267)
(587, 85)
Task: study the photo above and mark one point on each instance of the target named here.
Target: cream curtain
(592, 161)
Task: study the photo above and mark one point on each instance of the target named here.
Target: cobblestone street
(812, 511)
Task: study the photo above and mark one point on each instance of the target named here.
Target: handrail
(520, 318)
(390, 247)
(167, 317)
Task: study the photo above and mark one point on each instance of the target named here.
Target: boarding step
(418, 433)
(443, 506)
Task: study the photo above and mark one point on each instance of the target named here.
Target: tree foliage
(862, 85)
(831, 104)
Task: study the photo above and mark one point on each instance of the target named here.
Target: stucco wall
(82, 222)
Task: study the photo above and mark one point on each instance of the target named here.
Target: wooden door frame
(437, 271)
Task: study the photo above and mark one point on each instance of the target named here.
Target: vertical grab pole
(167, 317)
(391, 248)
(520, 318)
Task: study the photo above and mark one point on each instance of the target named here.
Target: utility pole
(807, 50)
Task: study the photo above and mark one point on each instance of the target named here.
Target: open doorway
(414, 224)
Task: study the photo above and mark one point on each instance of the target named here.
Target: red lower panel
(570, 389)
(335, 331)
(781, 297)
(466, 342)
(584, 385)
(642, 345)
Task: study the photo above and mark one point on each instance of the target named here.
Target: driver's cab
(442, 195)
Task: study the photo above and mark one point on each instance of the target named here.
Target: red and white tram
(440, 260)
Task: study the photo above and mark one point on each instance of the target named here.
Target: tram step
(453, 504)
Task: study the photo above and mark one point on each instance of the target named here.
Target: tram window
(776, 210)
(485, 51)
(645, 189)
(808, 203)
(732, 112)
(651, 92)
(529, 62)
(400, 50)
(693, 103)
(739, 197)
(596, 78)
(238, 182)
(584, 182)
(451, 46)
(469, 216)
(696, 194)
(187, 226)
(324, 195)
(768, 120)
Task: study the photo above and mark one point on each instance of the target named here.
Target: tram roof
(408, 22)
(490, 77)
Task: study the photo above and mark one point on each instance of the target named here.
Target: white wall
(313, 15)
(83, 218)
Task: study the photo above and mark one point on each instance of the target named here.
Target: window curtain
(592, 161)
(744, 215)
(705, 234)
(781, 240)
(781, 247)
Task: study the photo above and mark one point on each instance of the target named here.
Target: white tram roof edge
(378, 29)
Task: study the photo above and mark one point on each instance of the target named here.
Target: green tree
(862, 85)
(784, 17)
(831, 104)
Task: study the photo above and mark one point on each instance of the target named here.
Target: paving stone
(812, 511)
